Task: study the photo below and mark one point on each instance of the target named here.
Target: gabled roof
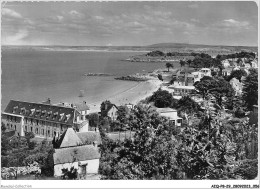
(109, 106)
(46, 112)
(89, 137)
(81, 106)
(74, 154)
(69, 139)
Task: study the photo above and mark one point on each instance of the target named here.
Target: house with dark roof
(110, 110)
(43, 119)
(72, 151)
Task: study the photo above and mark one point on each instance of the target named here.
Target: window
(26, 128)
(82, 117)
(42, 131)
(48, 132)
(11, 126)
(31, 129)
(36, 130)
(37, 122)
(15, 127)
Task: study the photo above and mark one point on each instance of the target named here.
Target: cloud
(194, 20)
(232, 22)
(11, 13)
(15, 39)
(99, 17)
(193, 6)
(60, 18)
(76, 14)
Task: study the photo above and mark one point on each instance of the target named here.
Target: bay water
(35, 75)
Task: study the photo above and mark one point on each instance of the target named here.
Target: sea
(35, 74)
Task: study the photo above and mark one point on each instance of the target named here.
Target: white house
(225, 63)
(227, 71)
(182, 90)
(254, 63)
(110, 110)
(72, 152)
(171, 114)
(205, 72)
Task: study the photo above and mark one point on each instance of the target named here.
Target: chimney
(95, 144)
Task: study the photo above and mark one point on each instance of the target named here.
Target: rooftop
(69, 139)
(89, 137)
(46, 112)
(74, 154)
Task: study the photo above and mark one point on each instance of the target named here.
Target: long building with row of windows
(44, 119)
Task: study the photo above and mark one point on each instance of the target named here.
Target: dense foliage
(250, 89)
(20, 151)
(93, 119)
(169, 65)
(237, 74)
(215, 150)
(242, 54)
(161, 98)
(155, 53)
(217, 88)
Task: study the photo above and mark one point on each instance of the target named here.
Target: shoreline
(132, 95)
(135, 94)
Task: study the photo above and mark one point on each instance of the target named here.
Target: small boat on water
(81, 93)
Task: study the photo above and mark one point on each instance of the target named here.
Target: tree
(93, 119)
(3, 127)
(204, 85)
(182, 63)
(160, 77)
(168, 66)
(222, 88)
(250, 89)
(29, 136)
(150, 155)
(187, 107)
(189, 62)
(217, 87)
(237, 74)
(155, 53)
(104, 106)
(161, 98)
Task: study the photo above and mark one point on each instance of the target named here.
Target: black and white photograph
(138, 91)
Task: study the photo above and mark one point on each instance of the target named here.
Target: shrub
(248, 169)
(161, 98)
(239, 113)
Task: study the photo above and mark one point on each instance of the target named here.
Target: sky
(129, 23)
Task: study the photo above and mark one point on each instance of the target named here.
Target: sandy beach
(132, 95)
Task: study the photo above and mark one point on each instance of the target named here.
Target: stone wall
(14, 172)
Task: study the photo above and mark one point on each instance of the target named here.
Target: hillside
(186, 46)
